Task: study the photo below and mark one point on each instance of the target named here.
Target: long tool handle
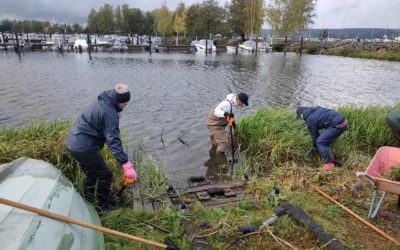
(79, 222)
(233, 149)
(356, 216)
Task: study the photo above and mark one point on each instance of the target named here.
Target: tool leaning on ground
(70, 220)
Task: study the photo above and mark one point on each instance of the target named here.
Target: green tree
(118, 19)
(136, 22)
(77, 28)
(288, 16)
(126, 16)
(148, 24)
(236, 16)
(212, 17)
(92, 21)
(5, 25)
(194, 26)
(179, 24)
(254, 16)
(105, 19)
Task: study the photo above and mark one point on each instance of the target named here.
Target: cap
(244, 98)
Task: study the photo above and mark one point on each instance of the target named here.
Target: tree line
(239, 17)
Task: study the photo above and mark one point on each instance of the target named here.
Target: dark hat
(125, 97)
(243, 97)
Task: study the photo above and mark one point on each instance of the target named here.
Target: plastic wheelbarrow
(379, 168)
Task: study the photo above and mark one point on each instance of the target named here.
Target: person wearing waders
(393, 121)
(332, 124)
(217, 122)
(96, 125)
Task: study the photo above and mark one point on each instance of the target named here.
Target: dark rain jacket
(318, 118)
(98, 124)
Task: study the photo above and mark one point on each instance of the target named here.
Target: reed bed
(275, 137)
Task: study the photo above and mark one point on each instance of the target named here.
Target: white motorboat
(263, 46)
(248, 46)
(80, 44)
(231, 49)
(120, 45)
(201, 46)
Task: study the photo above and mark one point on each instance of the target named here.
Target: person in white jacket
(217, 119)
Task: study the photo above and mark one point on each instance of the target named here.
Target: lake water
(173, 92)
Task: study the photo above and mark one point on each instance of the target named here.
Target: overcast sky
(331, 13)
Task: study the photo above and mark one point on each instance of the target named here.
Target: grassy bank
(367, 50)
(276, 145)
(390, 55)
(275, 137)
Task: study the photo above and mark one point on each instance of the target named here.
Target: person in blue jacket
(332, 124)
(96, 125)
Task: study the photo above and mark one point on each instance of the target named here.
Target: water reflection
(217, 166)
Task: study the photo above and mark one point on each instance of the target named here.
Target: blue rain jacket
(98, 124)
(318, 118)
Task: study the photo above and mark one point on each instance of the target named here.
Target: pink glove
(129, 170)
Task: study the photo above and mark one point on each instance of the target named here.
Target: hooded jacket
(318, 118)
(394, 117)
(98, 124)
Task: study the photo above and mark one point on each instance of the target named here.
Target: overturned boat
(39, 184)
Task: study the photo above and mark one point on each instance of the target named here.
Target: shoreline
(388, 51)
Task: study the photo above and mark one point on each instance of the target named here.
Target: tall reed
(275, 137)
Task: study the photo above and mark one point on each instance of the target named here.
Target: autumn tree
(179, 24)
(163, 21)
(253, 17)
(289, 16)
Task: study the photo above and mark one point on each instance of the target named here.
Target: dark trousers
(98, 176)
(325, 139)
(395, 131)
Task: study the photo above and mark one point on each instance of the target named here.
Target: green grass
(390, 55)
(276, 138)
(45, 141)
(274, 141)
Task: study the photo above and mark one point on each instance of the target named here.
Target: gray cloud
(70, 11)
(357, 14)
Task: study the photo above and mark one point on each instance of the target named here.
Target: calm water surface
(172, 93)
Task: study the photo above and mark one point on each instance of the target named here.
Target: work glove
(312, 151)
(129, 170)
(230, 115)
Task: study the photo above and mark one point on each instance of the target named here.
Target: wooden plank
(215, 185)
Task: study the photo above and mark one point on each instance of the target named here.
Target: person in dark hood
(96, 125)
(393, 121)
(333, 125)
